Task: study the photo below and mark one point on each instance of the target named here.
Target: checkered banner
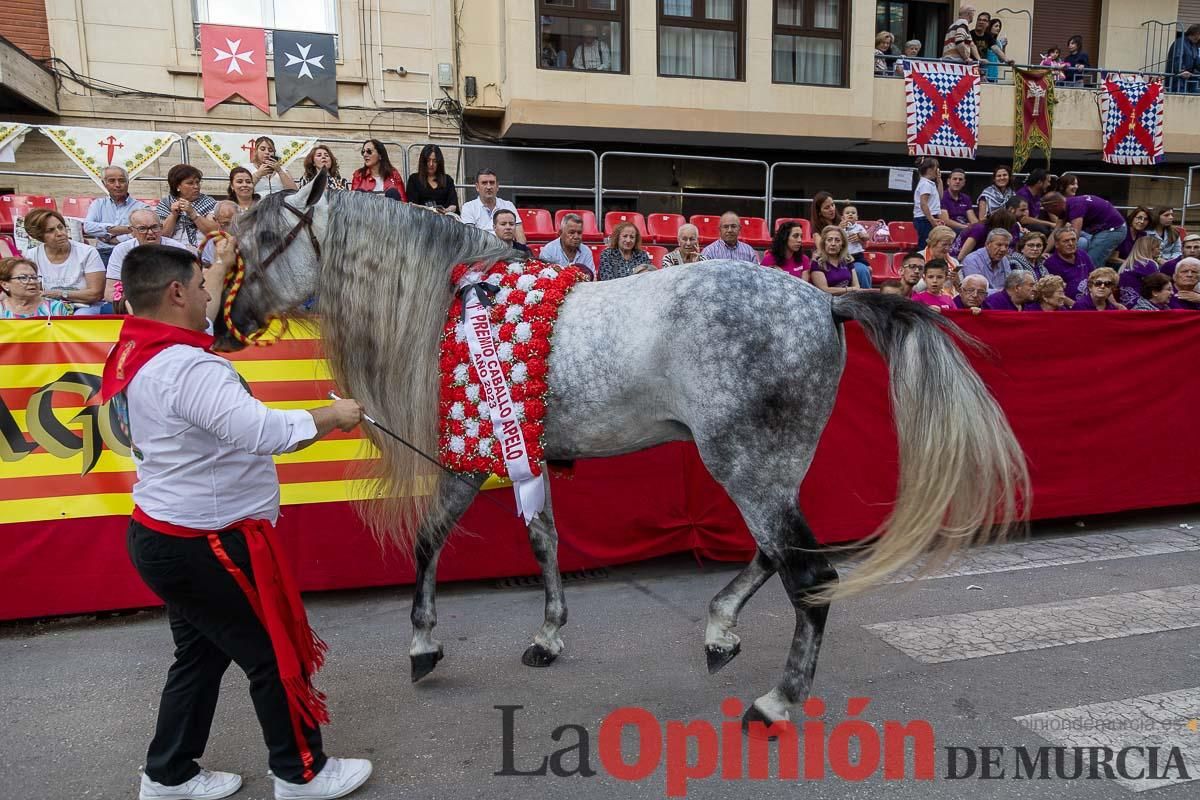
(1131, 116)
(942, 108)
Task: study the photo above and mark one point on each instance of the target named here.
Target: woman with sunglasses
(21, 292)
(377, 173)
(1101, 284)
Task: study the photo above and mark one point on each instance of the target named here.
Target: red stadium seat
(657, 253)
(590, 232)
(8, 248)
(904, 233)
(538, 224)
(534, 249)
(596, 249)
(708, 225)
(754, 232)
(664, 228)
(614, 218)
(151, 202)
(19, 205)
(881, 266)
(803, 223)
(76, 206)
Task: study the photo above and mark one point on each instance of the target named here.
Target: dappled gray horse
(743, 361)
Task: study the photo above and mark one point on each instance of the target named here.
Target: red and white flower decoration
(524, 312)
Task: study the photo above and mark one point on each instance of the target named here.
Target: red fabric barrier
(1101, 402)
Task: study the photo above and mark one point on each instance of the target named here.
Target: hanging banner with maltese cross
(305, 67)
(233, 60)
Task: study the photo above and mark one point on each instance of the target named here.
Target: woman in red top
(377, 173)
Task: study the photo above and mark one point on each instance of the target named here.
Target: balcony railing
(1091, 76)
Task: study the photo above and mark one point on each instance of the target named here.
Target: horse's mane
(384, 292)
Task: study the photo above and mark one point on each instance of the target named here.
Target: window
(809, 45)
(313, 16)
(583, 35)
(701, 38)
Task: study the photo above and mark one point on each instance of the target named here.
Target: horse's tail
(963, 477)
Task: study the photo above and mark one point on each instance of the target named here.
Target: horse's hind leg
(455, 497)
(802, 570)
(543, 537)
(720, 643)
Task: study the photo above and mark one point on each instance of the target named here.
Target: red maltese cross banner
(942, 100)
(1131, 119)
(233, 61)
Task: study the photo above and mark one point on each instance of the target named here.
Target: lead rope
(234, 280)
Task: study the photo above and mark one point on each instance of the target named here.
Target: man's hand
(347, 414)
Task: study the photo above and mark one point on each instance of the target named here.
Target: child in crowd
(856, 234)
(935, 294)
(1053, 58)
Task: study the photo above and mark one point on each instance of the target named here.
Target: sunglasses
(1103, 284)
(368, 152)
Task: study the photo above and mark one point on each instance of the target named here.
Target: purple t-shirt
(1129, 282)
(1097, 213)
(979, 232)
(1126, 247)
(1085, 304)
(791, 266)
(1000, 301)
(957, 209)
(836, 276)
(1073, 275)
(1187, 305)
(1035, 203)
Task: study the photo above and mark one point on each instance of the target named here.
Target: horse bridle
(236, 279)
(306, 223)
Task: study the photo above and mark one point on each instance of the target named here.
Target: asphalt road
(1083, 626)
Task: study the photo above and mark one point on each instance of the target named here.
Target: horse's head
(278, 238)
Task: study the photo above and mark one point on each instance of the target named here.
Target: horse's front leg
(454, 496)
(543, 537)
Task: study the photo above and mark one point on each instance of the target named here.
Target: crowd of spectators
(1044, 246)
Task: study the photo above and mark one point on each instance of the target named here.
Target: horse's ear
(310, 193)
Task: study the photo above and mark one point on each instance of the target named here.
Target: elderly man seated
(688, 251)
(146, 228)
(1018, 294)
(224, 213)
(729, 246)
(568, 250)
(107, 218)
(992, 261)
(1069, 262)
(1187, 276)
(972, 294)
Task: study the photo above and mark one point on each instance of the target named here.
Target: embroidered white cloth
(233, 149)
(12, 134)
(93, 149)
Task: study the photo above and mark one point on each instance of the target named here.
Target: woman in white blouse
(269, 175)
(70, 271)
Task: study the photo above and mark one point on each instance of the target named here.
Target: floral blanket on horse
(522, 313)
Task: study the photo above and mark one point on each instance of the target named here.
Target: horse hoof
(757, 731)
(537, 656)
(423, 663)
(718, 657)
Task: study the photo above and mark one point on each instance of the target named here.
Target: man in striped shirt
(728, 245)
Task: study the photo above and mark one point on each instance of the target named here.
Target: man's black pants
(213, 623)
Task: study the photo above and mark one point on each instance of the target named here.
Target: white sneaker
(206, 785)
(338, 778)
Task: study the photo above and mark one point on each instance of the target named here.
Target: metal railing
(681, 194)
(1159, 37)
(1187, 194)
(1092, 76)
(462, 187)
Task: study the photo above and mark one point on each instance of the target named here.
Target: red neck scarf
(142, 339)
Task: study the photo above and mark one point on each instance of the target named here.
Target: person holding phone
(430, 186)
(266, 169)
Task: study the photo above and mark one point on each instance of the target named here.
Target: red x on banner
(1132, 117)
(944, 106)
